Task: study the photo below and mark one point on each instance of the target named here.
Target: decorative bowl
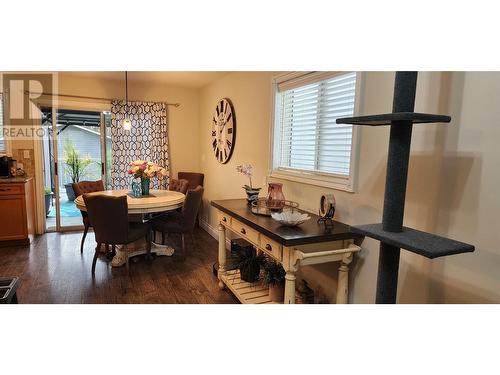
(290, 218)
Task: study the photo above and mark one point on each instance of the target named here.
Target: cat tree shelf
(389, 118)
(422, 243)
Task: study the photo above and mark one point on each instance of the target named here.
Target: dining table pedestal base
(138, 248)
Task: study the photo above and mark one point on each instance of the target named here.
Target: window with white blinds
(2, 141)
(307, 138)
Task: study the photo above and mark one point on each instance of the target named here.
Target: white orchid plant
(247, 170)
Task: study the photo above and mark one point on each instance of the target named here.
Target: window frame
(317, 178)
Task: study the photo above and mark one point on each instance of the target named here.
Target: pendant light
(127, 124)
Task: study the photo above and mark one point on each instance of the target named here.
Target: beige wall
(451, 183)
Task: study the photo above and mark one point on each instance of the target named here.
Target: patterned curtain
(147, 140)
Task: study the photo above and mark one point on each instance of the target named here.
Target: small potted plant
(48, 197)
(75, 166)
(274, 277)
(249, 262)
(252, 192)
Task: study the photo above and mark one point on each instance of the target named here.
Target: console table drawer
(10, 189)
(223, 218)
(245, 231)
(271, 247)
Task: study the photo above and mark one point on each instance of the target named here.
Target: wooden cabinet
(16, 211)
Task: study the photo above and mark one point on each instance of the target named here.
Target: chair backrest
(109, 217)
(194, 179)
(191, 207)
(83, 187)
(178, 185)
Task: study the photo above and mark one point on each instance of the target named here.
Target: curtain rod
(85, 97)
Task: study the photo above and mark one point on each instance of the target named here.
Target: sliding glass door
(78, 149)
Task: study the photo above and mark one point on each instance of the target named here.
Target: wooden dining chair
(109, 217)
(182, 222)
(81, 188)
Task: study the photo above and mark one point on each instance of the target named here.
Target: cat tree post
(391, 233)
(405, 87)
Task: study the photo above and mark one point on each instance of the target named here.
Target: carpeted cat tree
(391, 233)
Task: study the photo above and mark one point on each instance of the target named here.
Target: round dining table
(157, 201)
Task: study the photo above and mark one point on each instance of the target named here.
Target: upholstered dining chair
(81, 188)
(194, 179)
(182, 222)
(109, 218)
(178, 185)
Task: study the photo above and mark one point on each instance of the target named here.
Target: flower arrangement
(145, 170)
(252, 193)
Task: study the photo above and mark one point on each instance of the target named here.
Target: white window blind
(309, 138)
(2, 141)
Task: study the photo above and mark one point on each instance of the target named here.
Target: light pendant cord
(126, 93)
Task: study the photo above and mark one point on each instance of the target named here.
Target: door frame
(66, 104)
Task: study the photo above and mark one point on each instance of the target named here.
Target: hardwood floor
(52, 270)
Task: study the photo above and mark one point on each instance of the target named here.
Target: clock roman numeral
(229, 144)
(221, 105)
(214, 144)
(214, 133)
(229, 117)
(229, 130)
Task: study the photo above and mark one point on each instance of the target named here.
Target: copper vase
(275, 198)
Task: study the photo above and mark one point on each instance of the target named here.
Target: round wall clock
(223, 131)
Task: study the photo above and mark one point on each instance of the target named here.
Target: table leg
(123, 252)
(343, 279)
(289, 287)
(222, 254)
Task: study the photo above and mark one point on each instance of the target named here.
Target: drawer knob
(268, 247)
(243, 231)
(224, 219)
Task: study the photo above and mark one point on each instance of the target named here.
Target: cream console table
(307, 244)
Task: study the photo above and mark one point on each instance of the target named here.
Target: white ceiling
(184, 79)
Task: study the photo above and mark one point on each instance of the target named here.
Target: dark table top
(309, 232)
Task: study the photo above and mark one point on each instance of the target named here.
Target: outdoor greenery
(75, 166)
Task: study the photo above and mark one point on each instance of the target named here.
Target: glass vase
(145, 182)
(275, 199)
(136, 189)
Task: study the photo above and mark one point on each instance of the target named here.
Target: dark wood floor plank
(52, 270)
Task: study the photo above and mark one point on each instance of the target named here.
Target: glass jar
(136, 189)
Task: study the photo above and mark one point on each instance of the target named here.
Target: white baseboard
(213, 232)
